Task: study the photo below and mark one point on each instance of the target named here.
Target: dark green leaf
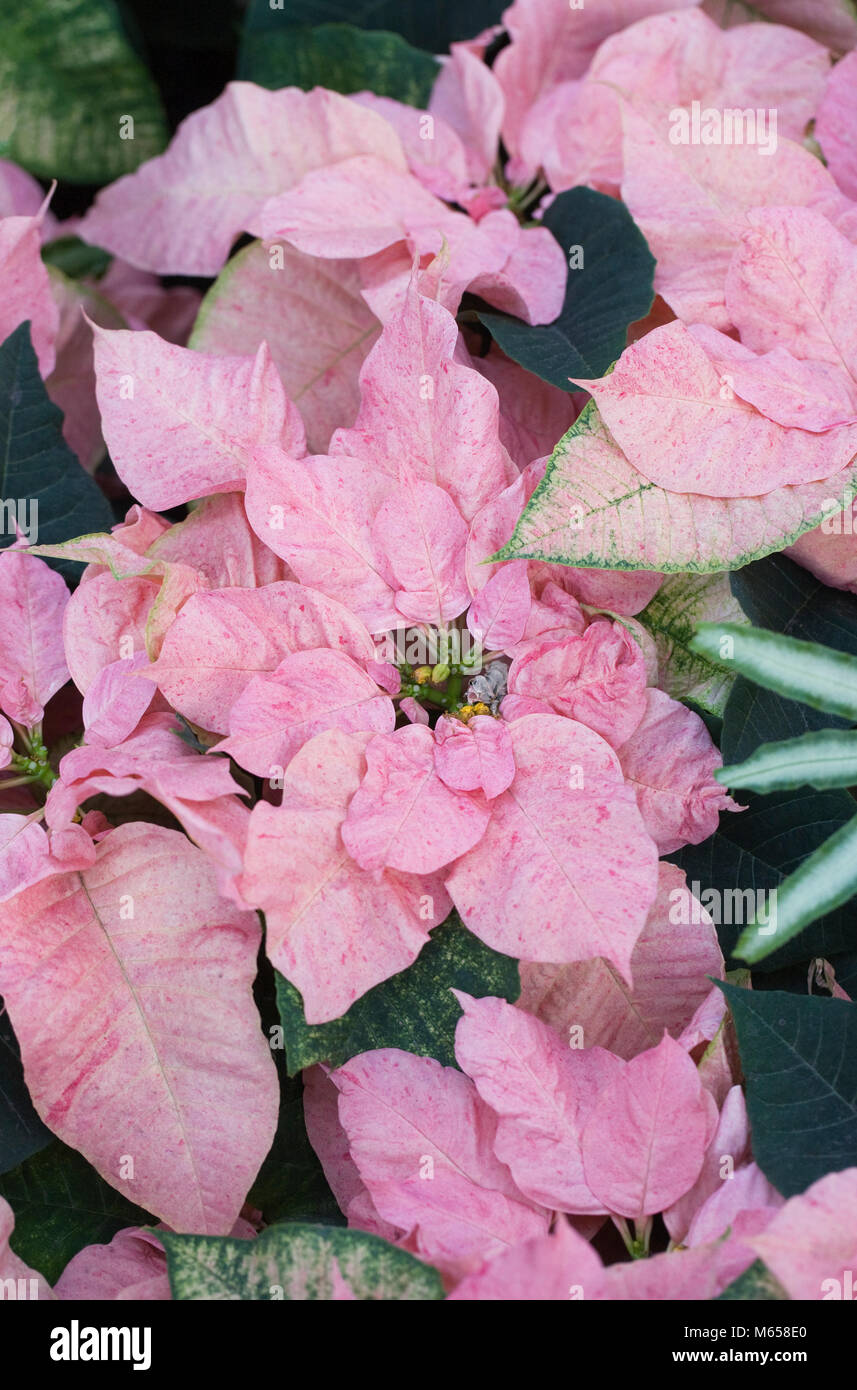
(37, 468)
(778, 594)
(75, 258)
(295, 1261)
(61, 1204)
(69, 80)
(429, 26)
(341, 58)
(824, 881)
(756, 849)
(757, 1284)
(291, 1185)
(414, 1010)
(21, 1131)
(611, 289)
(799, 1057)
(754, 716)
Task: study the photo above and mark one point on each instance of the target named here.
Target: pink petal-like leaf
(476, 756)
(788, 284)
(220, 639)
(547, 1268)
(834, 124)
(403, 816)
(310, 313)
(680, 422)
(132, 1266)
(420, 405)
(423, 1142)
(330, 1142)
(421, 537)
(309, 691)
(332, 929)
(670, 762)
(179, 214)
(498, 615)
(565, 870)
(811, 1244)
(180, 424)
(317, 514)
(645, 1140)
(542, 1091)
(590, 1001)
(598, 678)
(691, 202)
(26, 288)
(33, 600)
(106, 975)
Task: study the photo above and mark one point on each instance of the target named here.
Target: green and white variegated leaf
(594, 510)
(805, 671)
(296, 1262)
(825, 758)
(69, 80)
(799, 1059)
(824, 881)
(683, 601)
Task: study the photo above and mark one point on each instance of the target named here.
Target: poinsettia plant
(397, 460)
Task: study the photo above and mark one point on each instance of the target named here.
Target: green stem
(643, 1235)
(453, 689)
(433, 697)
(637, 1244)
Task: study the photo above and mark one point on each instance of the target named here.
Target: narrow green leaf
(610, 285)
(803, 671)
(799, 1057)
(62, 1204)
(826, 880)
(341, 58)
(682, 602)
(70, 84)
(757, 1285)
(37, 468)
(295, 1262)
(414, 1010)
(778, 594)
(826, 758)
